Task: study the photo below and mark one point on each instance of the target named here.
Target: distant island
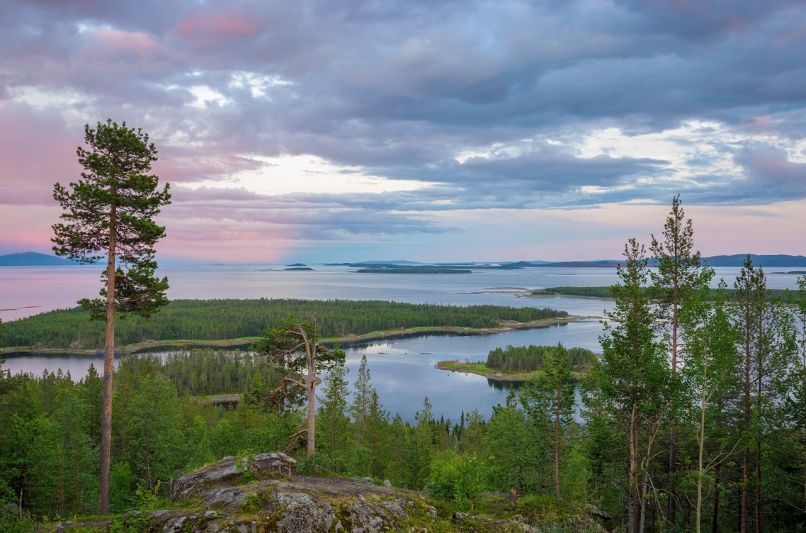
(412, 270)
(297, 269)
(297, 265)
(33, 259)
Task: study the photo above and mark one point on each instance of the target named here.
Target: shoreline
(243, 342)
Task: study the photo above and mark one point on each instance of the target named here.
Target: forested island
(230, 322)
(520, 364)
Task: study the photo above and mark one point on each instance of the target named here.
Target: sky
(341, 130)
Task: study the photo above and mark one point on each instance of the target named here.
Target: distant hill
(737, 260)
(33, 259)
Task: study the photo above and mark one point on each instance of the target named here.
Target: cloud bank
(372, 124)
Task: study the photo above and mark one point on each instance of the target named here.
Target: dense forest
(228, 319)
(692, 418)
(528, 358)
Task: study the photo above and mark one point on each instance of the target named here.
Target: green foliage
(112, 209)
(228, 319)
(529, 358)
(458, 478)
(333, 423)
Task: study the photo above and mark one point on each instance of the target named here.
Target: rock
(257, 495)
(303, 514)
(230, 468)
(386, 483)
(367, 480)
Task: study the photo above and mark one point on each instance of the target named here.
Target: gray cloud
(401, 88)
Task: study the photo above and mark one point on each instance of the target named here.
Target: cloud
(512, 104)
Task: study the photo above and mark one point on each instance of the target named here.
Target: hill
(33, 259)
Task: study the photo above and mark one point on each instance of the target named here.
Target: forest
(228, 319)
(693, 417)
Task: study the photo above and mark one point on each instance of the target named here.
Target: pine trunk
(635, 496)
(109, 360)
(746, 423)
(672, 429)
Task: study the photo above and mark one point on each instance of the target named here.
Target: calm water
(27, 291)
(402, 369)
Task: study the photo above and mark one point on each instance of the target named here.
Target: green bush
(456, 478)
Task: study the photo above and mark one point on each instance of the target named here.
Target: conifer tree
(110, 212)
(679, 274)
(552, 393)
(630, 383)
(295, 347)
(334, 424)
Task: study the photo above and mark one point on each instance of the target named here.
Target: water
(403, 369)
(26, 291)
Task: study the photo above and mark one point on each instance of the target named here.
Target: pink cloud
(126, 43)
(209, 29)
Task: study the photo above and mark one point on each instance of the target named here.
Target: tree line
(231, 318)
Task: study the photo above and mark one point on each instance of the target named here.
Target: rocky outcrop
(261, 494)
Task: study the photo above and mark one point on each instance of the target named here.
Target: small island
(519, 364)
(297, 269)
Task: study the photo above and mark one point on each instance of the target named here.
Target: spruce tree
(109, 212)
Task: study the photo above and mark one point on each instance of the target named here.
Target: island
(297, 269)
(519, 364)
(412, 270)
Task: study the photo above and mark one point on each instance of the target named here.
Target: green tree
(151, 427)
(630, 383)
(335, 438)
(679, 274)
(295, 346)
(709, 376)
(552, 394)
(110, 211)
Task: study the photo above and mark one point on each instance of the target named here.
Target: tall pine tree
(110, 212)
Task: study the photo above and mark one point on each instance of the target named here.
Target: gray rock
(229, 468)
(386, 483)
(303, 514)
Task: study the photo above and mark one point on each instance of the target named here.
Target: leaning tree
(295, 347)
(109, 212)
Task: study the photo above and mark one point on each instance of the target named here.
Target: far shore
(246, 342)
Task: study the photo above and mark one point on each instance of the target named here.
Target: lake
(402, 369)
